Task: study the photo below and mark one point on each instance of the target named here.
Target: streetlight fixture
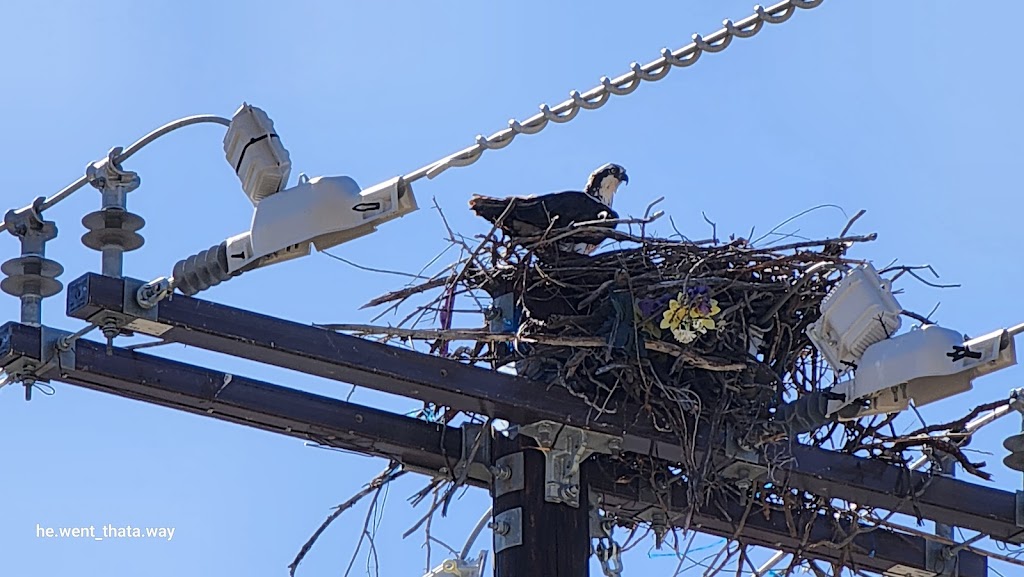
(287, 223)
(880, 371)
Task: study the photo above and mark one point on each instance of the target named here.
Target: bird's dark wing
(533, 214)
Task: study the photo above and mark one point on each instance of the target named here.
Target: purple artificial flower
(652, 306)
(700, 299)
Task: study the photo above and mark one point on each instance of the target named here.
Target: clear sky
(909, 109)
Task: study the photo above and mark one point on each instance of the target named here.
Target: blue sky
(909, 110)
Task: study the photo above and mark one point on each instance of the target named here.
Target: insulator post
(31, 277)
(1015, 443)
(202, 270)
(112, 229)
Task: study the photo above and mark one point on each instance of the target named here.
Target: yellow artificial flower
(688, 322)
(675, 315)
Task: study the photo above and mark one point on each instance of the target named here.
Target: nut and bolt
(500, 527)
(501, 472)
(570, 492)
(615, 446)
(110, 330)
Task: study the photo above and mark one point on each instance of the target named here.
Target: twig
(849, 224)
(371, 269)
(911, 270)
(812, 243)
(688, 356)
(406, 292)
(386, 476)
(794, 217)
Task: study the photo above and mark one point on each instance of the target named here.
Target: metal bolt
(28, 382)
(570, 492)
(501, 472)
(500, 527)
(110, 330)
(615, 446)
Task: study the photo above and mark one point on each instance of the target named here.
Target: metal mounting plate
(938, 561)
(904, 571)
(508, 530)
(565, 448)
(50, 348)
(514, 482)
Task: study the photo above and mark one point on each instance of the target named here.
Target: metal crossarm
(427, 447)
(428, 378)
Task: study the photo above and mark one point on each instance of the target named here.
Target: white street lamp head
(859, 312)
(318, 212)
(924, 365)
(883, 372)
(256, 154)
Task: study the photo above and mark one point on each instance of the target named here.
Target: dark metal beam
(237, 399)
(411, 374)
(732, 518)
(422, 446)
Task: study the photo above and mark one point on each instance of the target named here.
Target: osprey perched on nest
(519, 216)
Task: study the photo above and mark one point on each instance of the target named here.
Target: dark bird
(520, 216)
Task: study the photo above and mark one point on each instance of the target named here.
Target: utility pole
(532, 535)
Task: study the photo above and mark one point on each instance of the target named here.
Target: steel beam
(425, 447)
(904, 555)
(411, 374)
(421, 445)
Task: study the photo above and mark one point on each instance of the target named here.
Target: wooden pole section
(555, 537)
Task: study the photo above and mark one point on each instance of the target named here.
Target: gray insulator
(203, 270)
(804, 414)
(1014, 444)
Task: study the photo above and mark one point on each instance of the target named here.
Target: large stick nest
(678, 328)
(691, 335)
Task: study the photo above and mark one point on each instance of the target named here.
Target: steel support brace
(429, 448)
(428, 378)
(564, 449)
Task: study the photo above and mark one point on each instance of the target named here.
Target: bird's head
(605, 181)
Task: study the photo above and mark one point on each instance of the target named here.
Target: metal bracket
(132, 315)
(508, 529)
(28, 221)
(54, 346)
(138, 317)
(508, 474)
(656, 516)
(18, 369)
(107, 176)
(1019, 520)
(460, 567)
(474, 435)
(597, 521)
(938, 561)
(904, 571)
(565, 447)
(740, 464)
